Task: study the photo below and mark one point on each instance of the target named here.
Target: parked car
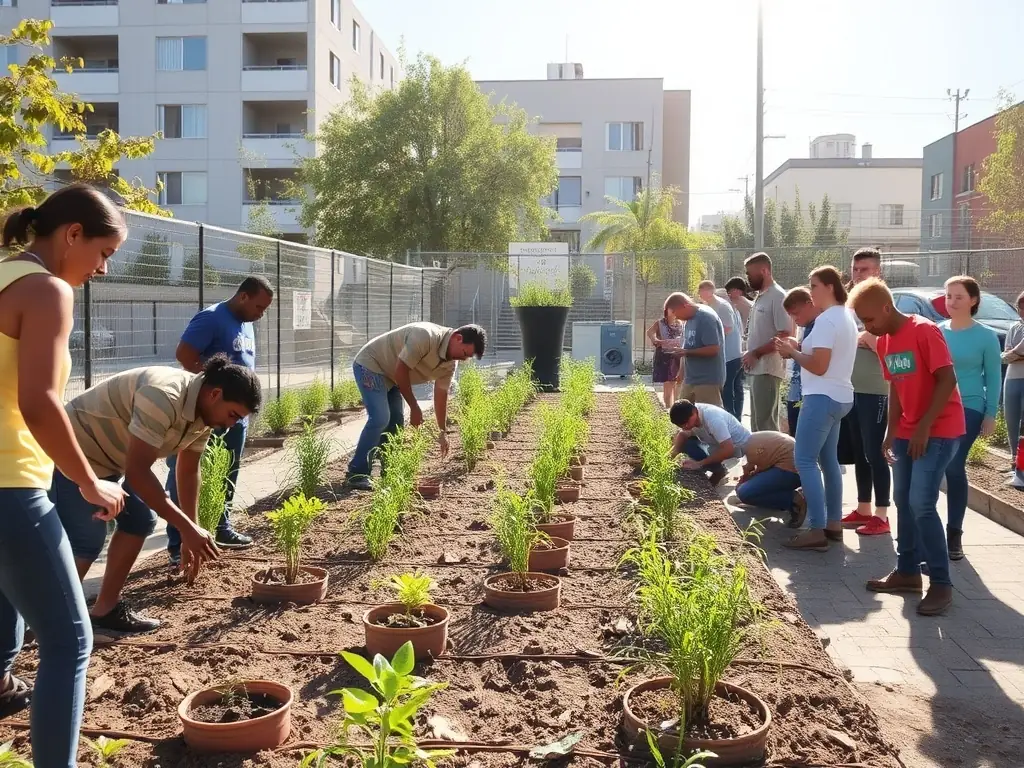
(993, 312)
(102, 342)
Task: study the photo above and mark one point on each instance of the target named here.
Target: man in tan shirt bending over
(386, 369)
(770, 479)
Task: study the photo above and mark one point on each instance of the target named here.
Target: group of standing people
(908, 397)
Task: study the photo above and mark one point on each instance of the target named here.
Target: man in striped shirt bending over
(125, 424)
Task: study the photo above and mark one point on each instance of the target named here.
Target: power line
(957, 98)
(870, 95)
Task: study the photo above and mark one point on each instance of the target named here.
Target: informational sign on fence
(544, 263)
(302, 310)
(609, 276)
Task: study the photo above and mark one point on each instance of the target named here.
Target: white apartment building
(231, 84)
(612, 136)
(876, 200)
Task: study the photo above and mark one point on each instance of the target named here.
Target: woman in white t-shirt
(826, 356)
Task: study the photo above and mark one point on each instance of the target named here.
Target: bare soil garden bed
(514, 681)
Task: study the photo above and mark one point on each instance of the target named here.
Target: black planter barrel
(543, 330)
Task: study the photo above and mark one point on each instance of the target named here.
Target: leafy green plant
(380, 518)
(513, 524)
(412, 590)
(280, 414)
(540, 295)
(106, 749)
(311, 456)
(511, 396)
(215, 470)
(473, 414)
(1001, 437)
(582, 281)
(345, 395)
(678, 760)
(314, 399)
(978, 451)
(289, 524)
(11, 759)
(386, 714)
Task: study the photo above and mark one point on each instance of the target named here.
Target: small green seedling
(311, 456)
(11, 759)
(385, 715)
(289, 524)
(106, 749)
(412, 590)
(213, 488)
(678, 761)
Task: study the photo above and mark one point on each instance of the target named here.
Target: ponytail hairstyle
(238, 383)
(73, 204)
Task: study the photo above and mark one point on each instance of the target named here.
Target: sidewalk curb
(995, 509)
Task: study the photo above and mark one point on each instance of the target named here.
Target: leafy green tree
(1002, 180)
(190, 271)
(582, 281)
(151, 265)
(432, 165)
(785, 227)
(29, 101)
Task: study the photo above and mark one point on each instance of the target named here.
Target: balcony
(273, 187)
(274, 62)
(569, 159)
(99, 56)
(84, 13)
(275, 12)
(103, 117)
(275, 130)
(568, 214)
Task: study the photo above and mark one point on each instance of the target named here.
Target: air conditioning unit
(616, 349)
(586, 342)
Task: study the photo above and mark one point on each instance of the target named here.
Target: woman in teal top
(978, 365)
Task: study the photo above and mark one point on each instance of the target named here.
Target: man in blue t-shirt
(225, 327)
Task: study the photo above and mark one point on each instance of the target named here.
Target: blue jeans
(792, 416)
(234, 441)
(695, 450)
(86, 534)
(919, 534)
(1013, 407)
(39, 584)
(817, 438)
(732, 392)
(867, 429)
(956, 472)
(385, 414)
(772, 489)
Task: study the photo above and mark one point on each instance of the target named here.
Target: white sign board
(544, 263)
(302, 310)
(609, 276)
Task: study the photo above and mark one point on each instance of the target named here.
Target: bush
(345, 395)
(280, 414)
(539, 295)
(314, 399)
(582, 281)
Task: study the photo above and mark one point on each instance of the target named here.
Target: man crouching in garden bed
(385, 371)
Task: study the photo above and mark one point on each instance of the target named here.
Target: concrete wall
(938, 159)
(973, 145)
(676, 162)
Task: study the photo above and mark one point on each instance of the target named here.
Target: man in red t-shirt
(926, 422)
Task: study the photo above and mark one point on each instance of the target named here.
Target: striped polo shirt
(156, 404)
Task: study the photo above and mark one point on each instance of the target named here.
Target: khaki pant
(701, 393)
(764, 402)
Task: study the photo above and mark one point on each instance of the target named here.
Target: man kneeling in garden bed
(385, 371)
(125, 424)
(770, 479)
(712, 426)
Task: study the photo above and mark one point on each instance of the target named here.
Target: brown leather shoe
(812, 540)
(833, 535)
(798, 512)
(897, 582)
(936, 601)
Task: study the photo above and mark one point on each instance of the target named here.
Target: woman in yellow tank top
(57, 246)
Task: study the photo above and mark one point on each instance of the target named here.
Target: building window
(935, 220)
(355, 36)
(844, 214)
(933, 264)
(8, 3)
(335, 71)
(570, 236)
(176, 54)
(8, 56)
(890, 215)
(564, 144)
(965, 215)
(967, 183)
(182, 121)
(625, 137)
(382, 66)
(336, 13)
(569, 193)
(624, 188)
(180, 2)
(937, 186)
(182, 187)
(392, 77)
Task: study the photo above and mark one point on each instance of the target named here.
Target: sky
(878, 69)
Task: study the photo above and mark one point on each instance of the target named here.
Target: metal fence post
(87, 329)
(333, 268)
(391, 296)
(202, 269)
(366, 266)
(423, 277)
(279, 305)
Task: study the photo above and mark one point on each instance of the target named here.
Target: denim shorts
(87, 534)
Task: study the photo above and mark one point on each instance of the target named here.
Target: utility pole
(957, 98)
(759, 152)
(746, 186)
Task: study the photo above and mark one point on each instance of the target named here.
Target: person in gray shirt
(702, 352)
(768, 321)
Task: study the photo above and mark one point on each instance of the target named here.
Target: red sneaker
(876, 526)
(855, 519)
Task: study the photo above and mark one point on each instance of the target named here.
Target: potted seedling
(520, 589)
(105, 750)
(244, 717)
(293, 583)
(345, 398)
(698, 613)
(384, 716)
(413, 618)
(542, 313)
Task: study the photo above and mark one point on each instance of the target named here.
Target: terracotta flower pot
(498, 596)
(563, 528)
(428, 489)
(635, 489)
(555, 557)
(427, 642)
(496, 435)
(302, 593)
(490, 445)
(241, 736)
(579, 460)
(750, 747)
(576, 473)
(568, 493)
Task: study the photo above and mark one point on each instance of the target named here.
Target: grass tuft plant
(473, 414)
(314, 399)
(311, 456)
(289, 524)
(345, 395)
(540, 295)
(513, 524)
(280, 414)
(215, 468)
